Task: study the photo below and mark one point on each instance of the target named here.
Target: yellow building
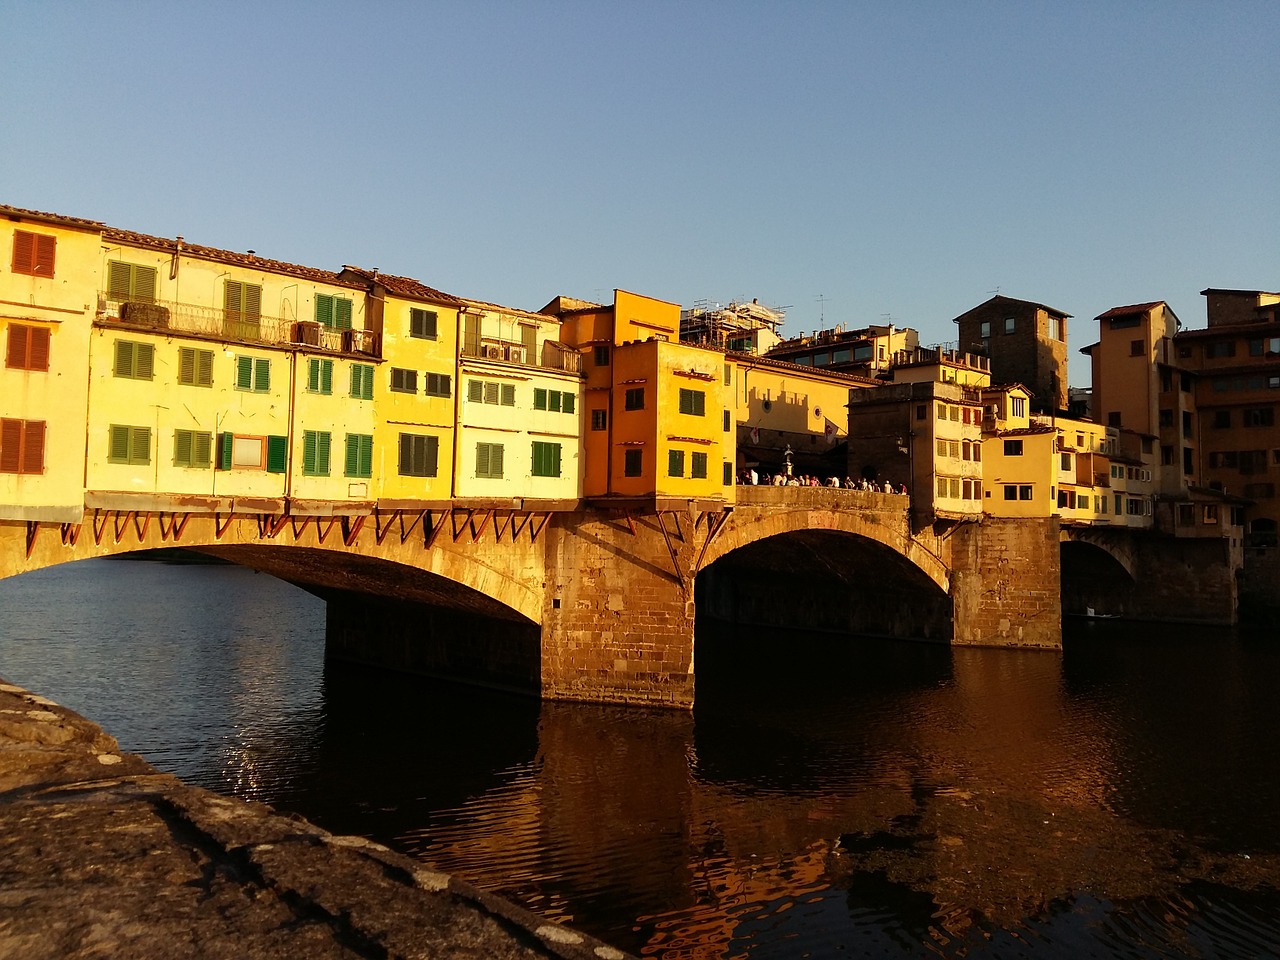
(1020, 468)
(216, 375)
(47, 291)
(656, 415)
(519, 425)
(414, 396)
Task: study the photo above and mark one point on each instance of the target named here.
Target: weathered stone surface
(117, 860)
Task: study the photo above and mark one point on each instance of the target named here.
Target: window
(728, 375)
(1221, 419)
(984, 329)
(253, 374)
(921, 411)
(359, 455)
(727, 479)
(131, 281)
(195, 367)
(698, 465)
(22, 446)
(1113, 418)
(419, 454)
(1210, 513)
(192, 448)
(319, 375)
(422, 323)
(942, 411)
(601, 356)
(942, 448)
(489, 461)
(1166, 418)
(1123, 323)
(1066, 461)
(1013, 448)
(490, 391)
(33, 253)
(1186, 423)
(557, 401)
(333, 312)
(362, 381)
(693, 402)
(439, 385)
(241, 452)
(942, 486)
(241, 309)
(1056, 328)
(599, 419)
(634, 399)
(135, 361)
(675, 463)
(315, 453)
(1166, 455)
(28, 348)
(1258, 416)
(631, 463)
(1018, 406)
(404, 381)
(1135, 348)
(546, 459)
(1024, 491)
(1010, 323)
(977, 451)
(1010, 491)
(128, 444)
(1223, 348)
(728, 421)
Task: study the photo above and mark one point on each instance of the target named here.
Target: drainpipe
(289, 434)
(457, 404)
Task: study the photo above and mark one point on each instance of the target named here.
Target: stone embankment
(103, 856)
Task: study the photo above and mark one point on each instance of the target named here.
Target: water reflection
(826, 797)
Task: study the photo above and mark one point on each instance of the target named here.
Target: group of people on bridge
(750, 477)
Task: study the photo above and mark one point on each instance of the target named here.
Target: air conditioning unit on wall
(493, 351)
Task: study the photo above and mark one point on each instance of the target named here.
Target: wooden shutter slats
(11, 432)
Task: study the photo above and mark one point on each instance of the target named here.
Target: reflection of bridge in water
(598, 602)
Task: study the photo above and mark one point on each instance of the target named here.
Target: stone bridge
(598, 602)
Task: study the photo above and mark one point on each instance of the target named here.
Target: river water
(828, 797)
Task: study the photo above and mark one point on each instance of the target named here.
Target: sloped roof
(403, 286)
(1129, 310)
(6, 210)
(1000, 298)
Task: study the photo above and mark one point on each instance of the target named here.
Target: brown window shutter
(24, 252)
(33, 449)
(45, 248)
(38, 348)
(16, 356)
(10, 445)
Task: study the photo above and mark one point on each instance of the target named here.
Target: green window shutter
(352, 466)
(313, 375)
(475, 391)
(144, 284)
(201, 449)
(324, 309)
(204, 368)
(140, 445)
(366, 456)
(539, 398)
(186, 365)
(698, 468)
(675, 463)
(326, 377)
(342, 313)
(322, 452)
(309, 451)
(118, 444)
(118, 276)
(728, 474)
(568, 403)
(182, 448)
(224, 450)
(277, 454)
(244, 374)
(233, 299)
(145, 360)
(262, 375)
(553, 401)
(555, 459)
(495, 460)
(124, 359)
(252, 301)
(508, 395)
(433, 454)
(490, 392)
(482, 459)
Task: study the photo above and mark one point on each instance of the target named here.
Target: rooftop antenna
(822, 312)
(996, 291)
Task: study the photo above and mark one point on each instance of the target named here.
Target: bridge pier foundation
(618, 619)
(1006, 583)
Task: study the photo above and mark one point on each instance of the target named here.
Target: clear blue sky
(899, 160)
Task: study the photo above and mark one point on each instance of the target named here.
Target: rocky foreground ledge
(103, 856)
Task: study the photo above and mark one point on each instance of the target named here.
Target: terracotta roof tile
(225, 256)
(1127, 311)
(6, 210)
(404, 286)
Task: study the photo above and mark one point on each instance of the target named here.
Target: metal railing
(222, 324)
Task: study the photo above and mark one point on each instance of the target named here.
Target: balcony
(217, 323)
(555, 356)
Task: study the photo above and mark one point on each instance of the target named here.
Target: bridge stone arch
(500, 562)
(1117, 545)
(880, 518)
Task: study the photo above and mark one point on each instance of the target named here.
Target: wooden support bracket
(533, 534)
(351, 529)
(33, 527)
(71, 533)
(679, 576)
(220, 525)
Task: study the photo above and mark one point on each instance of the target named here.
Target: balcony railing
(223, 324)
(555, 356)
